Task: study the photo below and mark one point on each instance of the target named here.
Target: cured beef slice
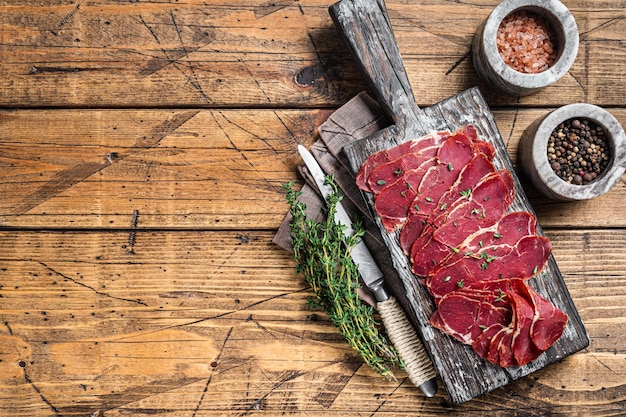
(497, 318)
(419, 153)
(452, 205)
(522, 346)
(391, 172)
(465, 314)
(421, 209)
(483, 147)
(389, 161)
(507, 231)
(482, 207)
(548, 323)
(452, 157)
(392, 203)
(523, 260)
(482, 343)
(487, 203)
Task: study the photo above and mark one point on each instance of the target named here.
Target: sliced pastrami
(425, 207)
(384, 160)
(504, 339)
(413, 228)
(523, 348)
(506, 231)
(469, 177)
(475, 211)
(428, 257)
(500, 348)
(548, 323)
(482, 343)
(393, 202)
(523, 260)
(391, 172)
(485, 205)
(465, 314)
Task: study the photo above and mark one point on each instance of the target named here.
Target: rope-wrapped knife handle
(418, 365)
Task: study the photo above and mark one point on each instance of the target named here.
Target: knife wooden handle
(402, 334)
(367, 30)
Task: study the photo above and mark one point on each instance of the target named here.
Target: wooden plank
(177, 329)
(273, 54)
(183, 168)
(177, 168)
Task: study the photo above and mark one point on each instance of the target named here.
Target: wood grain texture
(177, 168)
(183, 168)
(177, 329)
(275, 54)
(188, 113)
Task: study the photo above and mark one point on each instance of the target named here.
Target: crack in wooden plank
(508, 140)
(34, 70)
(291, 133)
(69, 177)
(580, 84)
(400, 383)
(608, 368)
(222, 315)
(193, 79)
(65, 19)
(9, 329)
(270, 186)
(208, 382)
(265, 140)
(257, 404)
(262, 328)
(38, 391)
(174, 57)
(457, 63)
(603, 25)
(54, 271)
(132, 236)
(254, 79)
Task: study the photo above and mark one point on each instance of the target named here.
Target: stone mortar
(533, 159)
(494, 71)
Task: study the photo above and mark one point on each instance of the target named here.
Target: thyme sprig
(322, 252)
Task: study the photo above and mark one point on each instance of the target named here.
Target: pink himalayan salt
(524, 43)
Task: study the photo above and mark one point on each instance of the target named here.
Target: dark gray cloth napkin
(357, 119)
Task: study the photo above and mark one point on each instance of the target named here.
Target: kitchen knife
(400, 331)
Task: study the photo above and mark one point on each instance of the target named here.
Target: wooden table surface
(143, 148)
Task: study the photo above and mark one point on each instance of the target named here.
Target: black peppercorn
(577, 151)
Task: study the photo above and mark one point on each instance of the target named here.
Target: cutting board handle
(366, 28)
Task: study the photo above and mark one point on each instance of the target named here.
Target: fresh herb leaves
(323, 255)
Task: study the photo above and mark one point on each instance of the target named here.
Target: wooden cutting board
(366, 28)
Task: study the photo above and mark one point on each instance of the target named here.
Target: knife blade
(400, 331)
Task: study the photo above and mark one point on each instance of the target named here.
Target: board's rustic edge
(358, 21)
(366, 29)
(469, 107)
